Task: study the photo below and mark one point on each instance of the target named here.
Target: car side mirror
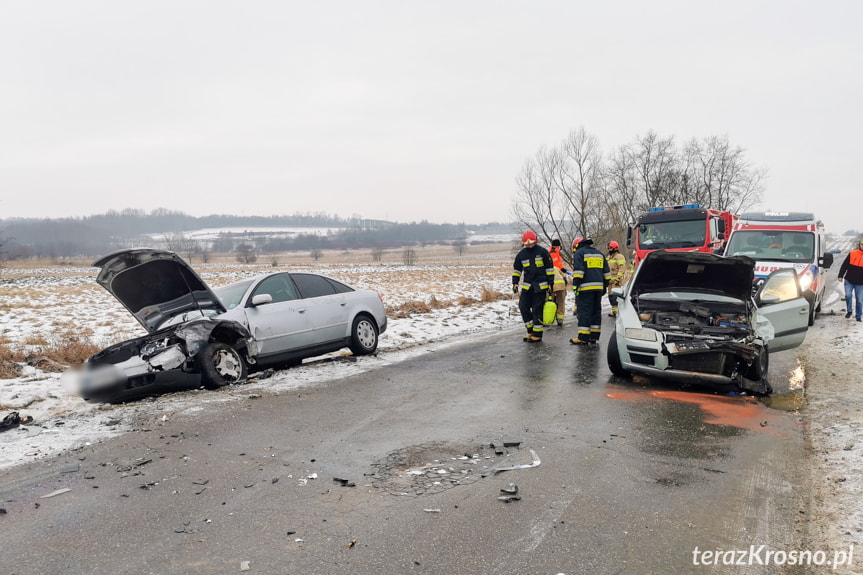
(827, 260)
(618, 291)
(769, 299)
(261, 299)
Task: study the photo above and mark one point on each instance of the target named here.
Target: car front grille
(700, 362)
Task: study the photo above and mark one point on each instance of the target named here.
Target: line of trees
(577, 190)
(92, 236)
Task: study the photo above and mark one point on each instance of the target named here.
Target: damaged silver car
(691, 318)
(198, 336)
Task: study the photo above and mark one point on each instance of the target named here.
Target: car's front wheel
(364, 335)
(613, 357)
(757, 373)
(220, 365)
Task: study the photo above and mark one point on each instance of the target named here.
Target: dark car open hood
(695, 271)
(155, 285)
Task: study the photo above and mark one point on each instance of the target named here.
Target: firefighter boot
(613, 312)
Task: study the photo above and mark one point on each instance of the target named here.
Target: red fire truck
(685, 228)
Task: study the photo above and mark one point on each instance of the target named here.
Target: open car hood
(695, 271)
(155, 286)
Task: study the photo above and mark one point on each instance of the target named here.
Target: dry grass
(489, 295)
(407, 309)
(9, 364)
(52, 355)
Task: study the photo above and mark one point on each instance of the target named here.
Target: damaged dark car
(197, 336)
(691, 318)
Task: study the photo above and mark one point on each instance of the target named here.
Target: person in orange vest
(562, 280)
(617, 268)
(851, 273)
(534, 273)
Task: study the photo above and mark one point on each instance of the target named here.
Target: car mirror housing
(262, 299)
(768, 299)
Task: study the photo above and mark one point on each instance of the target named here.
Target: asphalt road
(393, 472)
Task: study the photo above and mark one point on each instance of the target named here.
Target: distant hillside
(99, 234)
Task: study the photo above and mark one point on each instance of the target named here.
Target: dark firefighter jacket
(534, 268)
(589, 270)
(852, 268)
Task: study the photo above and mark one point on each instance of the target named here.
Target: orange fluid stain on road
(740, 412)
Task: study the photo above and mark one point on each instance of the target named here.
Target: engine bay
(687, 319)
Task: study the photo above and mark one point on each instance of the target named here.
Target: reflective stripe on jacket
(589, 269)
(617, 268)
(533, 267)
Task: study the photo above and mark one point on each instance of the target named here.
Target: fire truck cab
(785, 240)
(686, 228)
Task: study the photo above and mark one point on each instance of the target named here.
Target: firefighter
(534, 270)
(562, 281)
(617, 268)
(590, 278)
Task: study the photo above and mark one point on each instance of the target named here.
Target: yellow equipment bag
(549, 313)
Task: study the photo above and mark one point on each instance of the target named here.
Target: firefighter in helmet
(532, 278)
(590, 278)
(617, 268)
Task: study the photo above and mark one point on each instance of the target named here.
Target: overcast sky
(407, 110)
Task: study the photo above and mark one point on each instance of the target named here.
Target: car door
(326, 307)
(780, 301)
(281, 324)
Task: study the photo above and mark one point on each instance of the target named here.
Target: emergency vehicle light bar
(663, 208)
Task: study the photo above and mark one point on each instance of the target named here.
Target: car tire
(812, 316)
(613, 357)
(758, 371)
(364, 335)
(221, 365)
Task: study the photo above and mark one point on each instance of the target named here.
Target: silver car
(199, 336)
(691, 318)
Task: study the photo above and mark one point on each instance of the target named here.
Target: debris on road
(55, 493)
(508, 498)
(510, 489)
(13, 420)
(535, 463)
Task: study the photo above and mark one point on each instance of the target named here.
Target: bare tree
(409, 256)
(181, 244)
(246, 254)
(316, 253)
(726, 179)
(583, 185)
(377, 254)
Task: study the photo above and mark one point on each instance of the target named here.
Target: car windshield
(795, 246)
(231, 294)
(671, 235)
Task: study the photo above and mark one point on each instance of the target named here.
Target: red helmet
(528, 238)
(613, 245)
(575, 243)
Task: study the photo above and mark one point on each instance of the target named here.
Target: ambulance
(778, 240)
